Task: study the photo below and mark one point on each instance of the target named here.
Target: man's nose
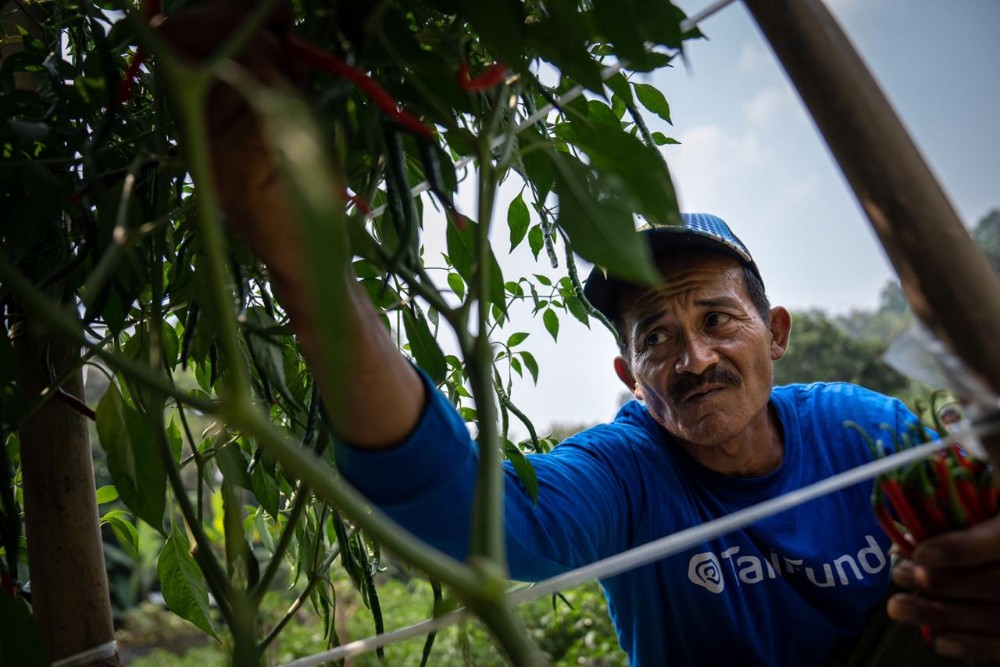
(696, 357)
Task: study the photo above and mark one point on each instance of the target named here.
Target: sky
(750, 154)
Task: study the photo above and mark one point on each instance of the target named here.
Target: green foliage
(987, 236)
(821, 351)
(102, 210)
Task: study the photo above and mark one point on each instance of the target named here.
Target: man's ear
(781, 327)
(625, 375)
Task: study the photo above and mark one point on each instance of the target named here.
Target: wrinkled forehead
(686, 276)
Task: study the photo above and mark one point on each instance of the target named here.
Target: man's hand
(386, 396)
(955, 584)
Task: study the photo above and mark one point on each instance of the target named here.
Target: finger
(972, 583)
(945, 617)
(968, 647)
(977, 545)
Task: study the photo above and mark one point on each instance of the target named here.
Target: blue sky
(750, 153)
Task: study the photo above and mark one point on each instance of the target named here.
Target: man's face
(699, 353)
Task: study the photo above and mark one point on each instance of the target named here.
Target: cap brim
(602, 290)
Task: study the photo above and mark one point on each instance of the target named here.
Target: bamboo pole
(69, 584)
(945, 277)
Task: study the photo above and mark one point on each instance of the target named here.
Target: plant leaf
(182, 583)
(425, 349)
(525, 471)
(529, 361)
(133, 459)
(20, 638)
(516, 339)
(651, 98)
(518, 220)
(551, 321)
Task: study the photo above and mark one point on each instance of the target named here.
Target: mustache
(685, 384)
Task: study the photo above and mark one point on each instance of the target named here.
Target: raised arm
(385, 396)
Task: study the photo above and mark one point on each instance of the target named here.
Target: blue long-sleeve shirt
(783, 591)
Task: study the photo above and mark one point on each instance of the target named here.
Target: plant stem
(192, 102)
(314, 578)
(487, 528)
(203, 553)
(327, 486)
(302, 496)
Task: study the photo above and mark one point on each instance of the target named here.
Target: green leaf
(175, 439)
(623, 26)
(518, 220)
(661, 139)
(107, 494)
(457, 285)
(124, 530)
(551, 321)
(577, 309)
(182, 583)
(232, 462)
(601, 115)
(623, 167)
(516, 365)
(516, 339)
(425, 349)
(536, 241)
(529, 361)
(265, 351)
(562, 37)
(133, 459)
(265, 489)
(461, 251)
(525, 471)
(20, 639)
(651, 98)
(500, 24)
(620, 86)
(602, 230)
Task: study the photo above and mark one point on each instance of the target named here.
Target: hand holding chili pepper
(955, 579)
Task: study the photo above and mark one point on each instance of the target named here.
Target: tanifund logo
(704, 571)
(708, 570)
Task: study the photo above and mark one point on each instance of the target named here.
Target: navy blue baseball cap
(701, 231)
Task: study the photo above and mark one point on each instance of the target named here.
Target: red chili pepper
(933, 515)
(926, 633)
(968, 497)
(992, 498)
(963, 459)
(358, 203)
(490, 78)
(458, 220)
(7, 583)
(153, 7)
(127, 83)
(892, 530)
(952, 500)
(313, 56)
(905, 511)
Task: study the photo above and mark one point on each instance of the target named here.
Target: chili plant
(212, 426)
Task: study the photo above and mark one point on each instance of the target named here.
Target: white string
(665, 546)
(108, 649)
(686, 25)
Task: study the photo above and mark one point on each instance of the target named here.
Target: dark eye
(655, 338)
(717, 319)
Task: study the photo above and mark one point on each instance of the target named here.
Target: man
(709, 437)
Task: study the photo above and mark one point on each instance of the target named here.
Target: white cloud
(766, 105)
(753, 59)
